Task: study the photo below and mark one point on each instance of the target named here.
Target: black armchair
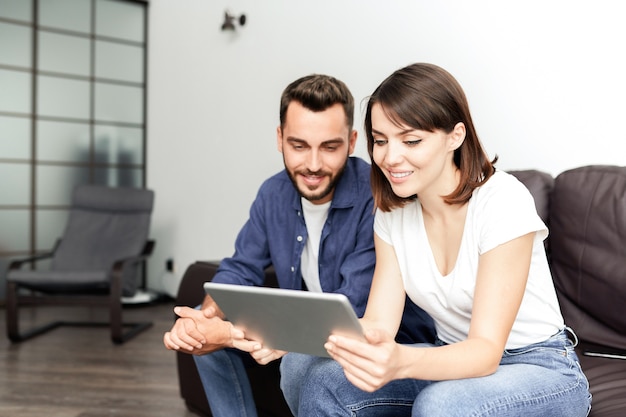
(95, 263)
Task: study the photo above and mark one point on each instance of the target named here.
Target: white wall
(545, 80)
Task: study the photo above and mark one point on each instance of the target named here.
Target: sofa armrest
(190, 291)
(190, 294)
(264, 380)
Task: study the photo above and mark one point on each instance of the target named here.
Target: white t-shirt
(315, 216)
(500, 210)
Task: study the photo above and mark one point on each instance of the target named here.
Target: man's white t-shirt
(315, 216)
(499, 211)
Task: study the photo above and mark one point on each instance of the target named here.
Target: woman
(464, 242)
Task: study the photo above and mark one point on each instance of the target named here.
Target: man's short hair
(318, 92)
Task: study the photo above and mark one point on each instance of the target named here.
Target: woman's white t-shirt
(499, 211)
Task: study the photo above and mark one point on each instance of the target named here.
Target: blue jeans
(542, 380)
(226, 384)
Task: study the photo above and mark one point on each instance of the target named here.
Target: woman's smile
(398, 177)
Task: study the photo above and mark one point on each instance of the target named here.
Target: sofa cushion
(607, 382)
(588, 251)
(540, 185)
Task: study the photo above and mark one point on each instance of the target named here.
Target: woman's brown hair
(427, 97)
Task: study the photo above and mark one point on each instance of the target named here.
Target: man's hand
(199, 331)
(264, 356)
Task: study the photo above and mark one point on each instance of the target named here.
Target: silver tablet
(291, 320)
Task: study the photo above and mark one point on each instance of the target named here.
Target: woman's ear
(457, 136)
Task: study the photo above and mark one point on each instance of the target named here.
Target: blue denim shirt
(275, 234)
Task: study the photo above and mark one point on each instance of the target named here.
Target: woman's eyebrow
(401, 132)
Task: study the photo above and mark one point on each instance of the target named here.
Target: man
(313, 222)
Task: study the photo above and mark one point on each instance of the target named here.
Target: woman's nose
(394, 152)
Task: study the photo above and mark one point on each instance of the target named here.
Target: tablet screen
(290, 320)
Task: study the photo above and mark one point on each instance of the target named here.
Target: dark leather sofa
(585, 209)
(264, 379)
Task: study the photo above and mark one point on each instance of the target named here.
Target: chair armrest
(118, 265)
(17, 263)
(117, 271)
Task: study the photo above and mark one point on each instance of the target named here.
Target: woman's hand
(368, 365)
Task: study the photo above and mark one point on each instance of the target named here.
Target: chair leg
(118, 336)
(12, 318)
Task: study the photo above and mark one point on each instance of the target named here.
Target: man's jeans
(226, 384)
(542, 380)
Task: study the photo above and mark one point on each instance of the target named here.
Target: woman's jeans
(542, 380)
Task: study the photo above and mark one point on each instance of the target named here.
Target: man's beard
(313, 197)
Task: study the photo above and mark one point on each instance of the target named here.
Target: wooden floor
(79, 372)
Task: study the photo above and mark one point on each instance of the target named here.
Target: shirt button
(299, 238)
(293, 269)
